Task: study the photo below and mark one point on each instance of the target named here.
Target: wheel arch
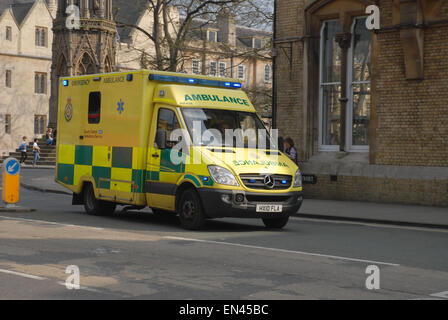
(185, 185)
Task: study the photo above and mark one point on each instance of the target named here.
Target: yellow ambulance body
(114, 147)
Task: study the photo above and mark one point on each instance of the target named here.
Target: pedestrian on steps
(22, 149)
(36, 152)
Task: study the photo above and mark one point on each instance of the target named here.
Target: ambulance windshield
(227, 128)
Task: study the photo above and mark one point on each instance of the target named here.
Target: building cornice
(24, 56)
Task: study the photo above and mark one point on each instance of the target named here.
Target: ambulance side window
(166, 123)
(94, 107)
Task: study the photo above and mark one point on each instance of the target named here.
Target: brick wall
(410, 117)
(408, 191)
(412, 114)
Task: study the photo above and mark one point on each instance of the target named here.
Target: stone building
(25, 60)
(220, 48)
(88, 49)
(31, 62)
(368, 110)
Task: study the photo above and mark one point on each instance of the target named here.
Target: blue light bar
(65, 83)
(204, 82)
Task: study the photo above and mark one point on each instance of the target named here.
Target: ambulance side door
(163, 170)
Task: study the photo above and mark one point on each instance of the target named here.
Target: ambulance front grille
(257, 181)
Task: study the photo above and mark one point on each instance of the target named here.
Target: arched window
(107, 65)
(85, 65)
(61, 69)
(37, 37)
(36, 83)
(43, 37)
(267, 73)
(40, 83)
(357, 64)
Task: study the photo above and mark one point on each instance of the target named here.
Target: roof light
(65, 83)
(198, 81)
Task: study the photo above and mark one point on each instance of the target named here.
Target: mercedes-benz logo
(269, 182)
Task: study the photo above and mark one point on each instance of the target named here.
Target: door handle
(155, 155)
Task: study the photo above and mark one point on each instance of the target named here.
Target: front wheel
(93, 206)
(275, 223)
(191, 213)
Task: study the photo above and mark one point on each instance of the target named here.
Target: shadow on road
(145, 220)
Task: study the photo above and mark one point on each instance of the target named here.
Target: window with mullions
(40, 83)
(40, 122)
(7, 123)
(223, 69)
(196, 66)
(41, 36)
(358, 87)
(330, 85)
(213, 68)
(267, 73)
(359, 108)
(8, 34)
(241, 72)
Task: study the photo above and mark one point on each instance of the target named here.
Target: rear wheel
(191, 213)
(94, 206)
(275, 223)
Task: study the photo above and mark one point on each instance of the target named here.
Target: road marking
(30, 276)
(81, 288)
(50, 222)
(283, 250)
(25, 275)
(371, 224)
(443, 295)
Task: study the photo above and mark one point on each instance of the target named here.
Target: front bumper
(222, 203)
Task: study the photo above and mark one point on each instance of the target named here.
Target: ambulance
(131, 139)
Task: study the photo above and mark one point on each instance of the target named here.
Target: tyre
(94, 206)
(275, 223)
(191, 213)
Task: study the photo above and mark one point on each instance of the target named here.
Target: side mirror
(161, 138)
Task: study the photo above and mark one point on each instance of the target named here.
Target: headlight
(222, 176)
(298, 179)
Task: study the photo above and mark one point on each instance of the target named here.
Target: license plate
(269, 208)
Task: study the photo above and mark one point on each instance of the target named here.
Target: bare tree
(168, 33)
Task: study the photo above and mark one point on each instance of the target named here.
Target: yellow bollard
(11, 181)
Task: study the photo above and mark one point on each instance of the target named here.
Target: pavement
(42, 179)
